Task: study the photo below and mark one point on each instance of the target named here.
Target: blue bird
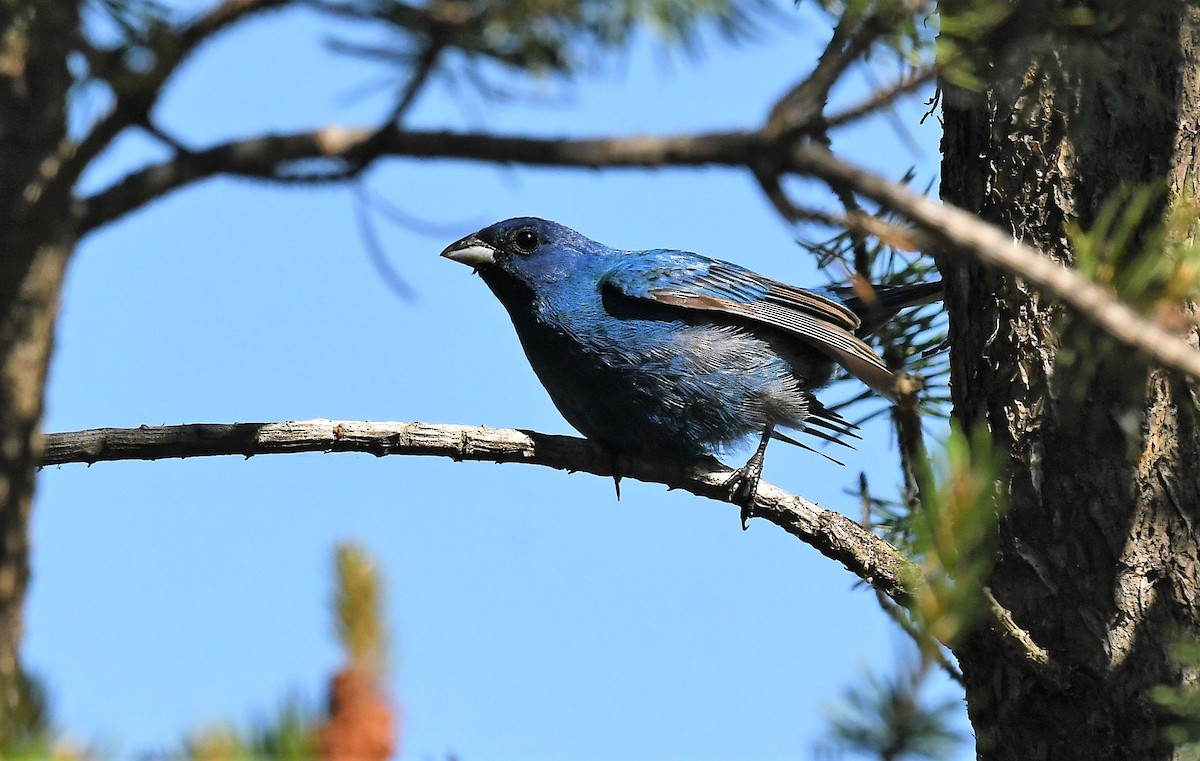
(673, 354)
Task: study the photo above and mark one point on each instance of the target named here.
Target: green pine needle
(360, 625)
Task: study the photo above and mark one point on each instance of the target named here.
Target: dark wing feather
(690, 281)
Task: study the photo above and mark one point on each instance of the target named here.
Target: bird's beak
(470, 251)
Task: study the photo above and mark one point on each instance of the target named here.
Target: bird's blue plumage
(666, 353)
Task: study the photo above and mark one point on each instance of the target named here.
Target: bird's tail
(879, 303)
(889, 299)
(825, 424)
(892, 298)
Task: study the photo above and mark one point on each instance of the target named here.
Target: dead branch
(837, 537)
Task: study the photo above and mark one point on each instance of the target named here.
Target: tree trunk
(1096, 553)
(36, 238)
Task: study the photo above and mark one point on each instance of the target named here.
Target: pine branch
(949, 229)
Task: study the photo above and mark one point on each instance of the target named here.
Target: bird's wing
(691, 281)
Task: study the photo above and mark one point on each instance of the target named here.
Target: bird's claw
(743, 488)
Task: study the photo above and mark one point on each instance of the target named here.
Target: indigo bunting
(673, 354)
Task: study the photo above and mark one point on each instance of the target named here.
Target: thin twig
(803, 106)
(905, 85)
(136, 93)
(926, 644)
(1022, 642)
(932, 651)
(390, 276)
(906, 416)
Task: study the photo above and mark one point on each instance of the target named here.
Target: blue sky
(533, 616)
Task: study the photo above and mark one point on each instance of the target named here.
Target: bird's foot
(743, 488)
(743, 484)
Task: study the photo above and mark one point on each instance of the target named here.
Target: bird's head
(527, 249)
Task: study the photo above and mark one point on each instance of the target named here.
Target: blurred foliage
(906, 28)
(358, 609)
(289, 735)
(27, 733)
(292, 733)
(529, 37)
(886, 718)
(218, 743)
(1144, 252)
(1183, 701)
(1052, 48)
(948, 536)
(1148, 258)
(562, 37)
(960, 500)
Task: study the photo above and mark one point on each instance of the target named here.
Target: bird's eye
(526, 241)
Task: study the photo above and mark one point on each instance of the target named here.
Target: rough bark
(1096, 554)
(35, 241)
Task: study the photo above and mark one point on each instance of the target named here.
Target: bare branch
(271, 156)
(936, 653)
(832, 534)
(136, 93)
